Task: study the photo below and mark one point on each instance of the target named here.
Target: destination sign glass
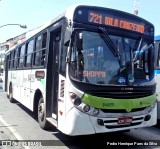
(113, 18)
(106, 19)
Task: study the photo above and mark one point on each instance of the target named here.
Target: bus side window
(40, 50)
(15, 58)
(9, 63)
(29, 51)
(12, 58)
(21, 58)
(37, 52)
(18, 56)
(44, 39)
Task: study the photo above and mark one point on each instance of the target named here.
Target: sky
(34, 13)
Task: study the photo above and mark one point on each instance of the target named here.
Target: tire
(11, 99)
(44, 124)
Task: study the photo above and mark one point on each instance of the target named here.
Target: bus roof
(69, 12)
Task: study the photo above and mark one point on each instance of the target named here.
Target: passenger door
(53, 73)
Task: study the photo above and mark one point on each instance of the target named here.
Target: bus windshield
(94, 61)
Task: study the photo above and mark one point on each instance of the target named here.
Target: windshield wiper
(109, 42)
(138, 50)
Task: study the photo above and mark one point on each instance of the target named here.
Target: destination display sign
(113, 20)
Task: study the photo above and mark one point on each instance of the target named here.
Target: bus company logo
(126, 89)
(108, 104)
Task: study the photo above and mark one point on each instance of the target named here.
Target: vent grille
(122, 126)
(121, 110)
(62, 88)
(112, 124)
(119, 95)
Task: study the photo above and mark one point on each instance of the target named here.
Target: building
(3, 48)
(13, 41)
(7, 45)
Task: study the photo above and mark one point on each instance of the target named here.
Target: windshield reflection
(92, 61)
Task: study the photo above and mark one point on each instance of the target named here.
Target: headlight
(80, 105)
(85, 107)
(77, 101)
(95, 112)
(149, 109)
(152, 106)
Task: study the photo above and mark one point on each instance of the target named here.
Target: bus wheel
(11, 99)
(42, 115)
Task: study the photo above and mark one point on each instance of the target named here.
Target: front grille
(116, 121)
(121, 110)
(122, 126)
(119, 95)
(113, 123)
(115, 91)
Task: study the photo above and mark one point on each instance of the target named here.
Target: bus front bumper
(79, 123)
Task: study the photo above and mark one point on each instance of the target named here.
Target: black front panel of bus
(113, 18)
(118, 92)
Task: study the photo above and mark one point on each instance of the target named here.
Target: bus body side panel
(14, 84)
(37, 83)
(17, 84)
(26, 87)
(62, 103)
(15, 79)
(157, 78)
(20, 88)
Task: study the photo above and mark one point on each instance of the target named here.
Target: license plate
(125, 120)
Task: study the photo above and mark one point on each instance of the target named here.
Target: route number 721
(95, 18)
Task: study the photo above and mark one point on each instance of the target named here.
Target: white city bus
(89, 70)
